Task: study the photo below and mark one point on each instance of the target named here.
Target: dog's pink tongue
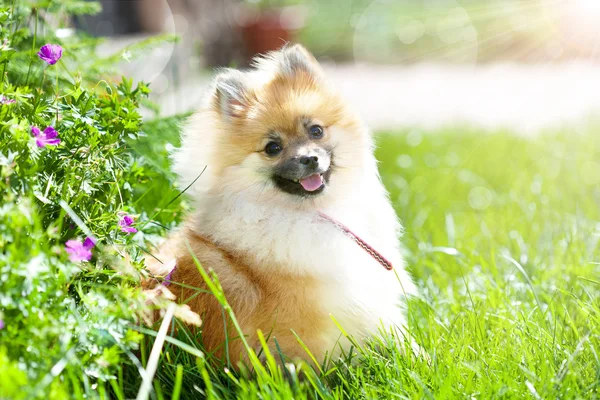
(312, 183)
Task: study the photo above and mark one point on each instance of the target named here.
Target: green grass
(502, 235)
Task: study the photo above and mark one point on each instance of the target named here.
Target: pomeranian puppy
(291, 215)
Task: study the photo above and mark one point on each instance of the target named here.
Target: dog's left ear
(295, 58)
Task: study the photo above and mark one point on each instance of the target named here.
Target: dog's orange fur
(277, 303)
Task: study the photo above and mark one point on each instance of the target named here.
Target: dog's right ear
(231, 98)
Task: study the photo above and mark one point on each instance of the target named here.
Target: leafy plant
(67, 172)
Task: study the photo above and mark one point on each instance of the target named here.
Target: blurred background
(525, 65)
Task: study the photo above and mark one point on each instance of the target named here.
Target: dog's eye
(316, 131)
(273, 148)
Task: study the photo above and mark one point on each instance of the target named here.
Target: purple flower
(80, 251)
(4, 100)
(1, 324)
(50, 53)
(168, 278)
(46, 138)
(125, 224)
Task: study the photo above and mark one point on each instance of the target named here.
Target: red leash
(364, 245)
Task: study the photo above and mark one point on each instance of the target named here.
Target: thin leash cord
(364, 245)
(361, 243)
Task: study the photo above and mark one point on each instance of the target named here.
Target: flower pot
(268, 30)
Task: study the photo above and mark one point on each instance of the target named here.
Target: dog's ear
(231, 98)
(294, 58)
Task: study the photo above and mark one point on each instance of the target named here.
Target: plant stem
(3, 76)
(57, 93)
(34, 12)
(67, 71)
(43, 80)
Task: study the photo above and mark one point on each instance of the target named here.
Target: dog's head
(276, 133)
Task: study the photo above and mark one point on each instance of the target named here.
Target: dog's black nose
(310, 161)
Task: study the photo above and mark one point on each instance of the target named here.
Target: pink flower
(1, 324)
(125, 224)
(46, 138)
(50, 53)
(80, 251)
(4, 100)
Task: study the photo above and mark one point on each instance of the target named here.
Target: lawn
(502, 235)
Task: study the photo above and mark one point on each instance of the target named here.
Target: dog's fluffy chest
(355, 289)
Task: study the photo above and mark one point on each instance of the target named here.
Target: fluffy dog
(286, 165)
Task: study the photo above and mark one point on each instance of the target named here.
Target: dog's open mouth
(306, 186)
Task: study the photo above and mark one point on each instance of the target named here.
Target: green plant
(66, 326)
